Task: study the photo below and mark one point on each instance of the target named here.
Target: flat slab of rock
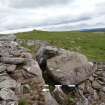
(71, 68)
(7, 94)
(2, 68)
(65, 67)
(33, 68)
(15, 60)
(8, 83)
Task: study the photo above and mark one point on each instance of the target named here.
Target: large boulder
(63, 66)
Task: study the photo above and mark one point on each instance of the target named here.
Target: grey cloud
(36, 3)
(66, 21)
(68, 27)
(70, 15)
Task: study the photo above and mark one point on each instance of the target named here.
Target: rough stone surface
(20, 76)
(8, 83)
(60, 96)
(64, 66)
(93, 90)
(49, 100)
(11, 68)
(32, 67)
(7, 94)
(8, 60)
(96, 85)
(2, 68)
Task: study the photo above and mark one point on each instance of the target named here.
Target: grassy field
(88, 43)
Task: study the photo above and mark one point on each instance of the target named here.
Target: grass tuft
(23, 102)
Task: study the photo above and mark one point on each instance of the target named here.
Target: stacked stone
(20, 75)
(21, 80)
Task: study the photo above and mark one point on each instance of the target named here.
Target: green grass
(23, 102)
(88, 43)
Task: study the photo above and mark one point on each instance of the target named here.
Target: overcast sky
(51, 15)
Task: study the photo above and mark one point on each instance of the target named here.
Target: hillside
(88, 43)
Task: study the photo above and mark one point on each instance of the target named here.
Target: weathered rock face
(89, 92)
(60, 96)
(49, 100)
(21, 78)
(68, 68)
(93, 88)
(19, 75)
(63, 66)
(14, 60)
(7, 94)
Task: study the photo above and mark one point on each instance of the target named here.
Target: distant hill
(93, 30)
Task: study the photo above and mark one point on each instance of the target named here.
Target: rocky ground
(21, 81)
(24, 79)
